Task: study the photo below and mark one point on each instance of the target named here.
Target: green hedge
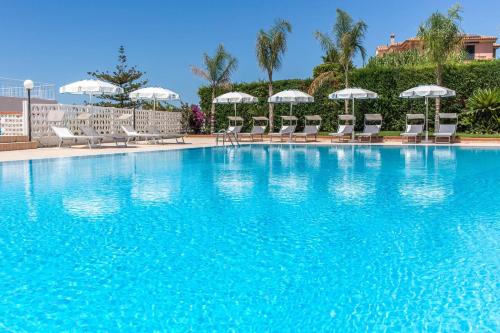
(387, 82)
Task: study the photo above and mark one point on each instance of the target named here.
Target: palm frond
(321, 80)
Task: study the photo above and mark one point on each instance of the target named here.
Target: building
(477, 47)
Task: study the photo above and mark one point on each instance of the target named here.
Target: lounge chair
(309, 130)
(232, 131)
(165, 136)
(413, 130)
(371, 131)
(285, 130)
(345, 130)
(90, 131)
(64, 134)
(257, 130)
(447, 131)
(133, 135)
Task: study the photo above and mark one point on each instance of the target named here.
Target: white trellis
(11, 124)
(105, 120)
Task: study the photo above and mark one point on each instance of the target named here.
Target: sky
(58, 42)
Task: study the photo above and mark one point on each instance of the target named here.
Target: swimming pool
(259, 238)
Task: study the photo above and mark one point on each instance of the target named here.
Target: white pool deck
(191, 142)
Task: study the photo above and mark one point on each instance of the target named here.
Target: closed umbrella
(352, 94)
(427, 91)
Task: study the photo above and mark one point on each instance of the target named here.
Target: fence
(12, 124)
(105, 120)
(14, 88)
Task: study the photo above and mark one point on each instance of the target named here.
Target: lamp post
(28, 85)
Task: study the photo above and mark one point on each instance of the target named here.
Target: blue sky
(60, 41)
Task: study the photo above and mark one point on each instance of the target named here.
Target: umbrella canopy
(90, 87)
(291, 96)
(352, 94)
(235, 97)
(427, 91)
(154, 94)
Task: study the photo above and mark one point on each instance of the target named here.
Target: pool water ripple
(259, 238)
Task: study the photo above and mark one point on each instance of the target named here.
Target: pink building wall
(483, 51)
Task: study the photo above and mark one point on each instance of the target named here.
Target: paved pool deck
(191, 142)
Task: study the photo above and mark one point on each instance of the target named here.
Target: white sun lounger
(64, 134)
(413, 130)
(257, 130)
(447, 131)
(285, 130)
(165, 136)
(132, 134)
(90, 131)
(344, 131)
(309, 130)
(371, 131)
(234, 128)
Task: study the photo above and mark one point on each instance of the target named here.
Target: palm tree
(271, 45)
(217, 71)
(346, 41)
(442, 38)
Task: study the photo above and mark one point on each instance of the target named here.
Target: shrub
(193, 119)
(388, 82)
(483, 115)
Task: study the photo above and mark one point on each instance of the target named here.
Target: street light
(28, 85)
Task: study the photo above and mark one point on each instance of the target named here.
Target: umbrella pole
(291, 110)
(354, 121)
(133, 117)
(426, 119)
(234, 109)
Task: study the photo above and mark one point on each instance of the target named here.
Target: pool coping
(194, 142)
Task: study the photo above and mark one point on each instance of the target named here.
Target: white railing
(105, 120)
(14, 88)
(12, 124)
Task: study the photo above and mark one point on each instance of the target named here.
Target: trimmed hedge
(387, 82)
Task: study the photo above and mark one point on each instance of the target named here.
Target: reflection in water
(425, 194)
(91, 206)
(235, 185)
(288, 187)
(350, 190)
(151, 190)
(345, 156)
(422, 184)
(372, 156)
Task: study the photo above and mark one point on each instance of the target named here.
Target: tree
(270, 48)
(442, 38)
(217, 71)
(129, 78)
(346, 41)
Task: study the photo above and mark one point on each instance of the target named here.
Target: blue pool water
(255, 239)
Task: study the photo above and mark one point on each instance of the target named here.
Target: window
(470, 50)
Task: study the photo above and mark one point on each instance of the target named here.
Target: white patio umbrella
(292, 97)
(91, 88)
(154, 94)
(352, 94)
(427, 91)
(235, 97)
